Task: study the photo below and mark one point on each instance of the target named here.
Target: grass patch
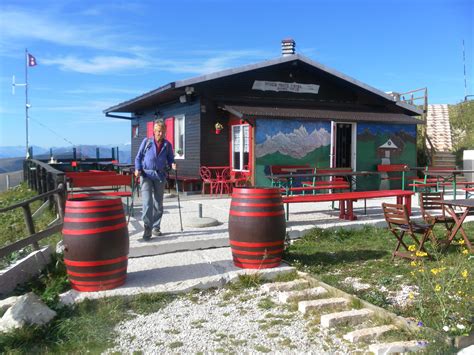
(266, 303)
(287, 276)
(12, 224)
(262, 349)
(88, 325)
(332, 255)
(175, 344)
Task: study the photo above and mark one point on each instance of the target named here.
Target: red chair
(207, 179)
(224, 181)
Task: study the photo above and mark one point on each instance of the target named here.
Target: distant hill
(11, 158)
(11, 164)
(19, 151)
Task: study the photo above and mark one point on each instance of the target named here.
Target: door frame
(332, 154)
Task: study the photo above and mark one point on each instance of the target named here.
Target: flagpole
(26, 102)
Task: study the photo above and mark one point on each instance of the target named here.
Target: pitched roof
(299, 113)
(181, 84)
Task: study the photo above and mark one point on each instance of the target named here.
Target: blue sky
(94, 54)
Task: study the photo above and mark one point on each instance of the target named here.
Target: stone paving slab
(368, 333)
(346, 317)
(290, 296)
(175, 273)
(307, 306)
(284, 286)
(397, 347)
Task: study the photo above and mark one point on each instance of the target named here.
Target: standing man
(151, 164)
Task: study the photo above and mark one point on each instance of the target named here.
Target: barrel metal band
(95, 263)
(93, 274)
(257, 245)
(94, 230)
(265, 252)
(93, 219)
(256, 214)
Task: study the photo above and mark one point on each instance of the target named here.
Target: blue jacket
(152, 165)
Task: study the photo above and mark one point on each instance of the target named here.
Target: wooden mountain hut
(290, 110)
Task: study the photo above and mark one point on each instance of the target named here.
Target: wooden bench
(390, 169)
(100, 185)
(320, 185)
(334, 181)
(286, 169)
(346, 200)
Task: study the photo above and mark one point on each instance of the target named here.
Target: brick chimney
(288, 47)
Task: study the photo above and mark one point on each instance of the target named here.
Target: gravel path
(244, 321)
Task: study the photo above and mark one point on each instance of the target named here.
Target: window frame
(242, 145)
(177, 121)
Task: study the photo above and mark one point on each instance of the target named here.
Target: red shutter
(149, 129)
(169, 123)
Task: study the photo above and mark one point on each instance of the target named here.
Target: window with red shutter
(149, 129)
(169, 123)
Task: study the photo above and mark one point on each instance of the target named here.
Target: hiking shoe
(156, 232)
(147, 233)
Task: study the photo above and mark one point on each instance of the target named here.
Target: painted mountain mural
(285, 142)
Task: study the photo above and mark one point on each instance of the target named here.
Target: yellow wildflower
(421, 253)
(464, 273)
(437, 288)
(465, 251)
(461, 242)
(413, 263)
(412, 247)
(435, 271)
(411, 295)
(421, 270)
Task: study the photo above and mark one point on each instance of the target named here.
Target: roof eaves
(159, 90)
(409, 107)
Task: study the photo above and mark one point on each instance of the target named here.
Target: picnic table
(350, 176)
(441, 177)
(347, 199)
(468, 209)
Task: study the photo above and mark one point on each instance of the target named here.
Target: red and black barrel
(96, 243)
(257, 227)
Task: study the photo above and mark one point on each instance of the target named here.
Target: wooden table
(468, 209)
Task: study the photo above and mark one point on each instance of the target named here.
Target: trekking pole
(179, 204)
(136, 183)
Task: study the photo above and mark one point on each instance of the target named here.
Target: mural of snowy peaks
(291, 139)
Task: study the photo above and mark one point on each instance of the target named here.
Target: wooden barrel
(96, 243)
(257, 227)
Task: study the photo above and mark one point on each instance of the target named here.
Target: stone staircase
(345, 316)
(438, 128)
(446, 160)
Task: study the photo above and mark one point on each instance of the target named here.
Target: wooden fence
(34, 237)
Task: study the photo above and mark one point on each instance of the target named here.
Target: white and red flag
(31, 61)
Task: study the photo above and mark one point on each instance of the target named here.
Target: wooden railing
(43, 178)
(34, 237)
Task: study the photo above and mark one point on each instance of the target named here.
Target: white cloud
(97, 65)
(215, 61)
(18, 25)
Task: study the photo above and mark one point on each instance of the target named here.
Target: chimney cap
(288, 46)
